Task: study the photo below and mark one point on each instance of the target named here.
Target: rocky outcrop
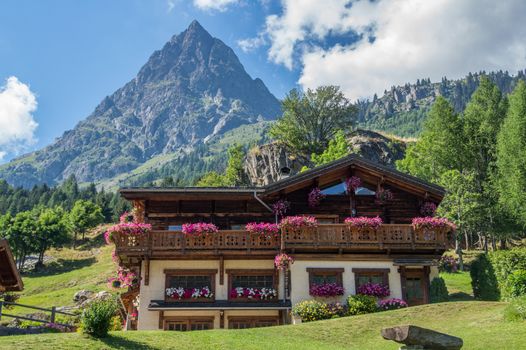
(415, 337)
(265, 164)
(269, 163)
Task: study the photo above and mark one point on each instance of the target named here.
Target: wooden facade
(230, 209)
(10, 279)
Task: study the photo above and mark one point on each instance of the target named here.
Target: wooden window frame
(188, 321)
(252, 272)
(190, 272)
(252, 320)
(384, 273)
(327, 271)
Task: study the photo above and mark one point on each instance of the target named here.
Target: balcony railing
(325, 237)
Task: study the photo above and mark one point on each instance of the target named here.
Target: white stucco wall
(300, 277)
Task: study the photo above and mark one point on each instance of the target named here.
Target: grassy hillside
(480, 324)
(87, 267)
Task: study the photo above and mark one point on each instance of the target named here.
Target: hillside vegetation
(480, 324)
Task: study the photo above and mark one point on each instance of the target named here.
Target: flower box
(200, 229)
(189, 294)
(326, 290)
(253, 294)
(374, 289)
(263, 229)
(426, 228)
(298, 222)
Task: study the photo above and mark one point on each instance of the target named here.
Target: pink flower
(315, 197)
(428, 209)
(280, 207)
(326, 290)
(374, 289)
(429, 222)
(295, 222)
(364, 222)
(391, 304)
(128, 229)
(200, 229)
(383, 196)
(283, 261)
(263, 229)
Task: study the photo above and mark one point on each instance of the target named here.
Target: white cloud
(250, 44)
(217, 5)
(171, 5)
(17, 126)
(412, 39)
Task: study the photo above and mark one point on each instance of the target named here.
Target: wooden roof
(9, 277)
(326, 174)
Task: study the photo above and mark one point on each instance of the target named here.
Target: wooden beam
(221, 270)
(147, 271)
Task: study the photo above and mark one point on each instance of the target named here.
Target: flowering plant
(125, 278)
(189, 293)
(280, 207)
(391, 304)
(263, 229)
(283, 261)
(352, 183)
(428, 209)
(447, 264)
(364, 222)
(295, 222)
(199, 229)
(337, 310)
(326, 290)
(429, 222)
(383, 196)
(254, 293)
(315, 197)
(374, 289)
(127, 228)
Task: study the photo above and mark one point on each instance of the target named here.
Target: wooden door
(415, 286)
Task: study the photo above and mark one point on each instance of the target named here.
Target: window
(175, 227)
(363, 276)
(189, 279)
(325, 275)
(339, 189)
(183, 325)
(257, 279)
(251, 322)
(363, 191)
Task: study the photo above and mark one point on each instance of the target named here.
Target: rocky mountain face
(402, 109)
(192, 89)
(264, 164)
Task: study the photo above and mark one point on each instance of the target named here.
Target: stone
(82, 295)
(428, 339)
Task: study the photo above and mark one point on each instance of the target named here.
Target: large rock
(82, 295)
(417, 337)
(376, 147)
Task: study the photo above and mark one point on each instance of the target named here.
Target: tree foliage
(234, 174)
(312, 118)
(338, 148)
(84, 215)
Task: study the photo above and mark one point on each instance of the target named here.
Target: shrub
(447, 264)
(483, 279)
(506, 262)
(312, 310)
(361, 304)
(97, 318)
(337, 310)
(391, 304)
(516, 310)
(438, 292)
(516, 284)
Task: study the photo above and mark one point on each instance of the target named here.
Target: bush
(516, 310)
(97, 318)
(447, 264)
(506, 262)
(361, 304)
(516, 284)
(312, 310)
(391, 304)
(438, 292)
(337, 310)
(483, 279)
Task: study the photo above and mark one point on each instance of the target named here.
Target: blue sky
(65, 56)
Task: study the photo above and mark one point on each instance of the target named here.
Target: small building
(395, 254)
(10, 280)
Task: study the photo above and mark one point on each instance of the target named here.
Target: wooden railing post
(1, 305)
(53, 311)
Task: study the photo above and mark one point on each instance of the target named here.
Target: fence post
(53, 310)
(1, 304)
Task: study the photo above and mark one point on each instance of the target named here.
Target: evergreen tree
(235, 173)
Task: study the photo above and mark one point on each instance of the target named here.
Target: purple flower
(383, 196)
(374, 289)
(315, 197)
(352, 183)
(199, 229)
(391, 304)
(296, 222)
(428, 209)
(432, 223)
(280, 207)
(283, 261)
(326, 290)
(263, 229)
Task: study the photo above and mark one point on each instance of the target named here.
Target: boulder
(82, 295)
(421, 338)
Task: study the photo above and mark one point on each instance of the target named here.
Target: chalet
(228, 262)
(10, 280)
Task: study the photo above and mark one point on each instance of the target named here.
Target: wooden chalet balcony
(324, 238)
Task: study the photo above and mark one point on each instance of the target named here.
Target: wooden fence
(53, 312)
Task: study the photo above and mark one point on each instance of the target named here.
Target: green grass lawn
(458, 285)
(480, 324)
